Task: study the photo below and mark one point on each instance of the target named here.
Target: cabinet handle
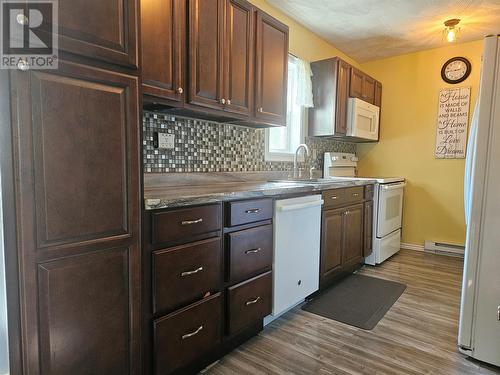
(187, 273)
(253, 251)
(261, 110)
(498, 313)
(252, 211)
(189, 222)
(347, 212)
(334, 197)
(23, 65)
(188, 335)
(229, 102)
(223, 101)
(355, 194)
(252, 301)
(180, 90)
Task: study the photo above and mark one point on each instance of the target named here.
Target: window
(282, 142)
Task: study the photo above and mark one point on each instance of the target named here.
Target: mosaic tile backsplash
(204, 146)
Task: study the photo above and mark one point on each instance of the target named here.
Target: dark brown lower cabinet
(353, 234)
(206, 287)
(184, 335)
(249, 301)
(346, 218)
(368, 240)
(77, 189)
(331, 243)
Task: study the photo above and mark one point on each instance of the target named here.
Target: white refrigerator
(479, 332)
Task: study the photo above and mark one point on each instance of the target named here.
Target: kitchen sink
(312, 181)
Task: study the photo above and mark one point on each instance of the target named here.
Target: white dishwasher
(297, 233)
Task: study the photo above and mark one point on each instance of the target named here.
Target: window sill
(282, 157)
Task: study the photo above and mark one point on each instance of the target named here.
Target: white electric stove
(387, 204)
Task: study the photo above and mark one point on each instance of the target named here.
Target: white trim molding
(411, 246)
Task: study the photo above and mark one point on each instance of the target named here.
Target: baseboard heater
(444, 248)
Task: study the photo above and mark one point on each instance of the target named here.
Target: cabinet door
(353, 234)
(163, 33)
(368, 229)
(77, 175)
(377, 100)
(343, 80)
(238, 59)
(331, 244)
(103, 30)
(206, 27)
(368, 89)
(271, 70)
(356, 84)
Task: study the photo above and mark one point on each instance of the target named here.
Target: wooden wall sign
(452, 123)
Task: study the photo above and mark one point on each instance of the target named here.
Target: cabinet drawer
(369, 192)
(333, 198)
(244, 212)
(354, 194)
(185, 223)
(249, 251)
(249, 301)
(185, 273)
(185, 335)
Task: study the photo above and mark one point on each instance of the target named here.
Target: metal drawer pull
(253, 211)
(498, 313)
(187, 273)
(252, 301)
(188, 335)
(334, 197)
(189, 222)
(253, 251)
(355, 194)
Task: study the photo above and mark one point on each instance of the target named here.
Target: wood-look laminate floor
(417, 336)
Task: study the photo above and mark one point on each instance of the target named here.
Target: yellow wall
(303, 42)
(434, 194)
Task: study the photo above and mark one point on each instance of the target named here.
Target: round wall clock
(456, 70)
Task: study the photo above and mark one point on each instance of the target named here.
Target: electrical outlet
(166, 141)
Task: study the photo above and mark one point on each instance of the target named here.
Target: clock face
(456, 70)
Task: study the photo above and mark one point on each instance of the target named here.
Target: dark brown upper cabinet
(163, 24)
(377, 100)
(215, 59)
(101, 30)
(356, 87)
(239, 56)
(221, 54)
(362, 86)
(334, 81)
(78, 188)
(331, 82)
(206, 35)
(271, 70)
(369, 89)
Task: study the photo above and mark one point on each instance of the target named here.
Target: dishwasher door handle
(300, 206)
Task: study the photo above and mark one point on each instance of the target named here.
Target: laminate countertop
(163, 196)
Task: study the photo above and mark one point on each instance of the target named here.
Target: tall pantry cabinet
(73, 245)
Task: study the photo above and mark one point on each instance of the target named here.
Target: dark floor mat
(357, 300)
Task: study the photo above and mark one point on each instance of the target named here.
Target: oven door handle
(393, 187)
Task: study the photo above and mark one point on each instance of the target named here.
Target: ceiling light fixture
(451, 30)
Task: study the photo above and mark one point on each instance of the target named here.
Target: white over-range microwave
(362, 119)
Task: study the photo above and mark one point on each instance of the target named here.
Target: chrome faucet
(295, 167)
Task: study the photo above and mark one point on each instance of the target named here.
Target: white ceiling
(374, 29)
